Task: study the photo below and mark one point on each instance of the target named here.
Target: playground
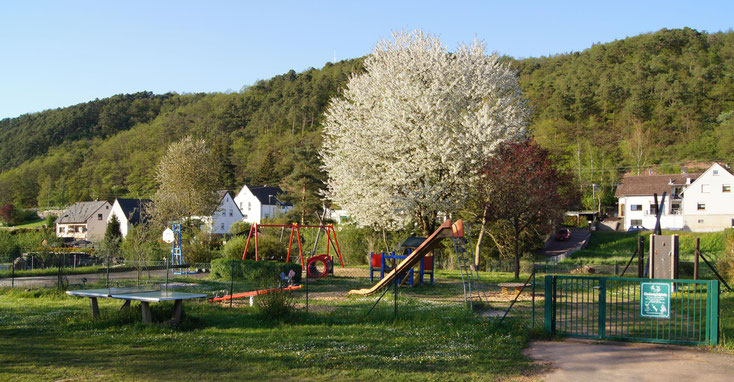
(354, 324)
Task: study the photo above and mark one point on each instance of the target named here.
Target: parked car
(563, 234)
(636, 228)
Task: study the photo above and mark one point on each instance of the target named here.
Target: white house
(694, 202)
(84, 220)
(223, 216)
(129, 212)
(709, 201)
(261, 202)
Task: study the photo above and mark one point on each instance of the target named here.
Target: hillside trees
(399, 145)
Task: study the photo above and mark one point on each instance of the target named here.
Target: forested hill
(31, 135)
(659, 98)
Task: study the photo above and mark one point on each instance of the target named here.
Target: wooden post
(695, 261)
(640, 257)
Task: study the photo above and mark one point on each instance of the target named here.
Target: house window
(716, 172)
(705, 188)
(249, 206)
(244, 216)
(635, 207)
(701, 206)
(700, 221)
(726, 188)
(230, 212)
(637, 222)
(99, 216)
(221, 226)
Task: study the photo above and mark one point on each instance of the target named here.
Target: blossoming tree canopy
(403, 141)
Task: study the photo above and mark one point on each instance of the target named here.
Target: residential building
(129, 212)
(261, 202)
(225, 214)
(694, 202)
(709, 202)
(84, 220)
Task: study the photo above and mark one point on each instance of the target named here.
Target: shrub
(726, 261)
(234, 248)
(251, 270)
(270, 248)
(239, 228)
(276, 304)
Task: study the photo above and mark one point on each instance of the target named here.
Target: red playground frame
(295, 228)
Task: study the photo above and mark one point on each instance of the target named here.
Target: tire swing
(313, 269)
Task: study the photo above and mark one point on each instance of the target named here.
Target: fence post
(695, 259)
(640, 257)
(231, 281)
(12, 272)
(602, 307)
(712, 313)
(549, 299)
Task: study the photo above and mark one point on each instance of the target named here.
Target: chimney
(688, 180)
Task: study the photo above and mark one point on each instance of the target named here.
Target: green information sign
(655, 301)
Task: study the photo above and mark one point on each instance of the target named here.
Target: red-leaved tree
(8, 214)
(522, 187)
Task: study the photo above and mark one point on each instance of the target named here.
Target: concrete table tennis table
(145, 296)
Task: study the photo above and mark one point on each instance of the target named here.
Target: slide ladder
(469, 275)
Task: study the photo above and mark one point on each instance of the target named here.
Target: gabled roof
(640, 185)
(79, 212)
(132, 208)
(268, 195)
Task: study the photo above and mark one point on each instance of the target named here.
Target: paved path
(579, 360)
(50, 281)
(554, 247)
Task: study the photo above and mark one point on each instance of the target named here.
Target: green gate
(615, 308)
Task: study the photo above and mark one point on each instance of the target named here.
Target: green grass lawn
(46, 335)
(617, 247)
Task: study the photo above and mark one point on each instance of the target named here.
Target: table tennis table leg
(145, 309)
(94, 307)
(177, 310)
(125, 305)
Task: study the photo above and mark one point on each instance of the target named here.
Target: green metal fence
(610, 308)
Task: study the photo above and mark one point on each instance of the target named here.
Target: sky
(56, 54)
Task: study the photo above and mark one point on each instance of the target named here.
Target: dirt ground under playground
(582, 360)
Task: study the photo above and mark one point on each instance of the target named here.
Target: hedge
(251, 270)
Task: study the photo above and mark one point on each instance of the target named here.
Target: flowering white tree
(405, 138)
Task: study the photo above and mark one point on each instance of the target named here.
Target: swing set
(310, 263)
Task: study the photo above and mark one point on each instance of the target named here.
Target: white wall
(710, 191)
(647, 213)
(248, 205)
(226, 214)
(124, 223)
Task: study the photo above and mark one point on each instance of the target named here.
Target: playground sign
(655, 301)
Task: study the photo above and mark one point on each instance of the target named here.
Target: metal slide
(444, 231)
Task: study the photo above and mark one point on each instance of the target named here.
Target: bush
(251, 270)
(239, 228)
(234, 248)
(270, 248)
(726, 261)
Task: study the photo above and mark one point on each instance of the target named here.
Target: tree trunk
(303, 205)
(479, 238)
(517, 252)
(384, 239)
